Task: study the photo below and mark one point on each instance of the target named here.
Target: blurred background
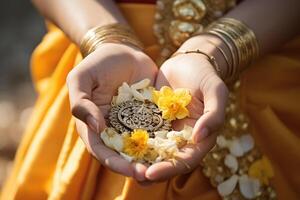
(21, 29)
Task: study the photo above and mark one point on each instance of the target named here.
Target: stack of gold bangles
(241, 42)
(112, 33)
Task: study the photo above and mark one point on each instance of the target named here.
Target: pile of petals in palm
(140, 122)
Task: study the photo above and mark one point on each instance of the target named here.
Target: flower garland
(235, 166)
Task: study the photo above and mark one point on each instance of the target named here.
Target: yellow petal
(262, 170)
(182, 113)
(268, 167)
(155, 96)
(166, 91)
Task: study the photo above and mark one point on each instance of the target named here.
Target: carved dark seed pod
(131, 115)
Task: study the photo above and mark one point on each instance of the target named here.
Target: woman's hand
(92, 84)
(207, 109)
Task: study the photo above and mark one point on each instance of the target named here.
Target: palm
(195, 73)
(92, 85)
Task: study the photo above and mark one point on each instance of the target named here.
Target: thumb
(215, 94)
(80, 93)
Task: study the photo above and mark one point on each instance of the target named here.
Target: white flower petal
(236, 148)
(124, 94)
(112, 139)
(106, 139)
(163, 147)
(249, 187)
(122, 97)
(117, 142)
(173, 134)
(231, 162)
(137, 95)
(147, 93)
(125, 88)
(247, 142)
(161, 134)
(151, 142)
(187, 132)
(221, 141)
(227, 187)
(126, 157)
(141, 85)
(158, 159)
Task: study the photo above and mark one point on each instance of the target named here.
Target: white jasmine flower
(161, 134)
(141, 84)
(137, 95)
(221, 141)
(164, 147)
(227, 187)
(231, 162)
(147, 93)
(124, 94)
(187, 132)
(236, 148)
(112, 139)
(247, 142)
(249, 187)
(173, 134)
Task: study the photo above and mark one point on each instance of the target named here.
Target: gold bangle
(232, 49)
(210, 58)
(111, 33)
(238, 36)
(221, 51)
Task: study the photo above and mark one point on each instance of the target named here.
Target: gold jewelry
(210, 58)
(111, 33)
(236, 34)
(221, 51)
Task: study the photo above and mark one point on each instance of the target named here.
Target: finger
(215, 95)
(80, 87)
(139, 171)
(188, 159)
(105, 155)
(161, 80)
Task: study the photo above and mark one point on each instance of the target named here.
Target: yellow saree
(52, 162)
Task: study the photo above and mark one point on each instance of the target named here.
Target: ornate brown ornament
(131, 115)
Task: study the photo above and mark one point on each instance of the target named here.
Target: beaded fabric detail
(177, 20)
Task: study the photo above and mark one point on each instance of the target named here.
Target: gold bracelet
(233, 52)
(210, 58)
(111, 33)
(239, 39)
(221, 51)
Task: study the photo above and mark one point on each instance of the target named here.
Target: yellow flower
(172, 103)
(262, 170)
(136, 144)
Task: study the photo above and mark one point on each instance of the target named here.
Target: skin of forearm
(274, 22)
(76, 17)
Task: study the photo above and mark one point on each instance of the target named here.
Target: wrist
(212, 46)
(111, 33)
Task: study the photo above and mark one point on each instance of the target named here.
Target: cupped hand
(207, 110)
(92, 84)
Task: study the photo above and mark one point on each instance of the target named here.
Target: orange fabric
(52, 162)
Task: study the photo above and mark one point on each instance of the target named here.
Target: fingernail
(203, 134)
(92, 123)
